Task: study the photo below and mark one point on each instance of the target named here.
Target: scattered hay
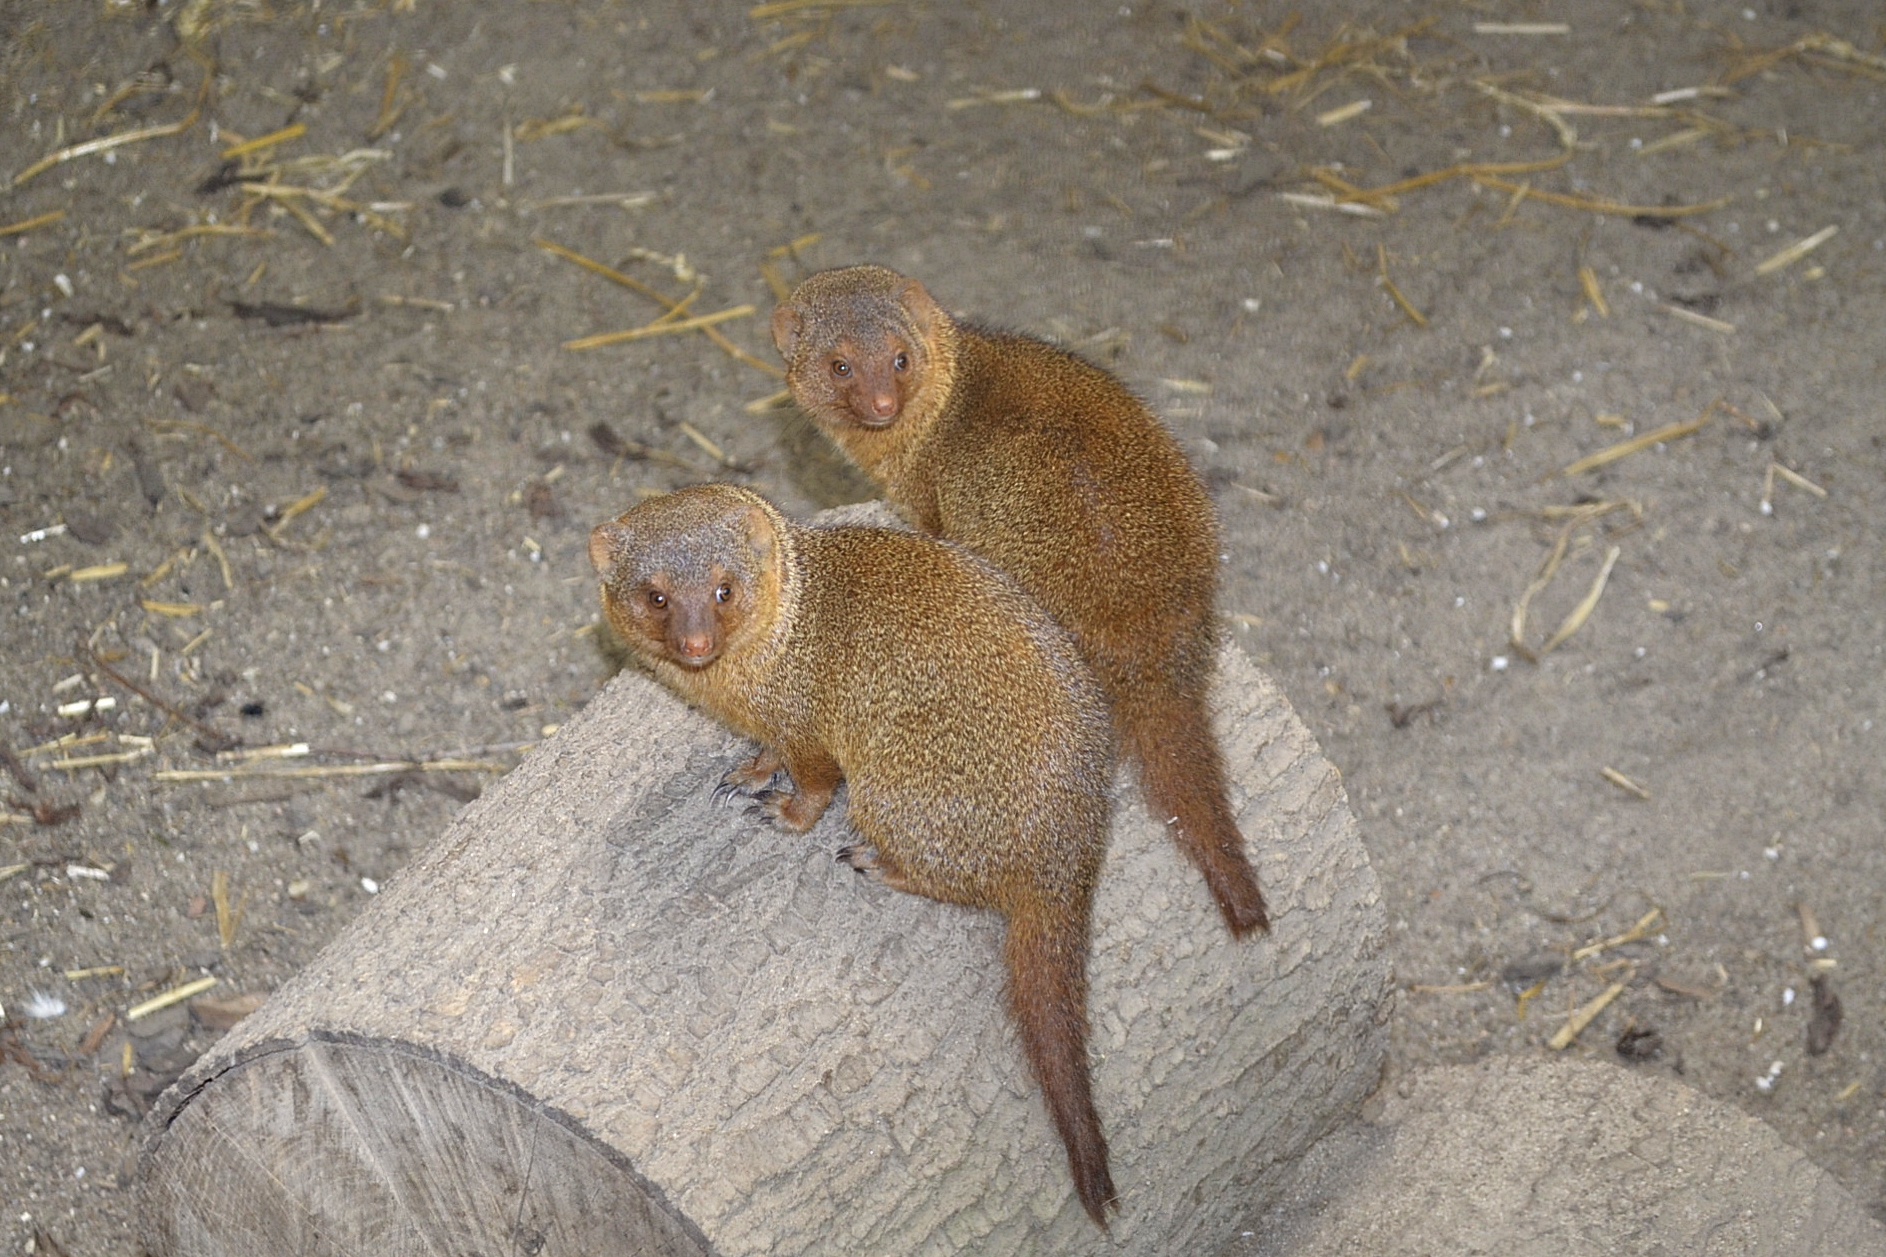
(1576, 517)
(106, 144)
(670, 306)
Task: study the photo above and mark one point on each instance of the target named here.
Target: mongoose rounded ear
(760, 533)
(914, 297)
(785, 330)
(604, 542)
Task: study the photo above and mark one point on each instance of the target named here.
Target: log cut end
(338, 1144)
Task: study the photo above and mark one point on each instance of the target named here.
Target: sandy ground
(325, 465)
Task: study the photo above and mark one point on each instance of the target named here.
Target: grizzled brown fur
(1048, 467)
(973, 739)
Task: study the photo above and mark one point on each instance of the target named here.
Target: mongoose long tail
(1047, 965)
(1183, 776)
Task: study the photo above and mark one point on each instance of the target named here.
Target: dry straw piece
(99, 571)
(299, 506)
(1342, 113)
(667, 303)
(337, 770)
(1588, 280)
(1575, 1025)
(228, 920)
(1796, 251)
(1643, 441)
(1647, 925)
(1796, 479)
(1582, 612)
(165, 240)
(780, 8)
(1579, 517)
(106, 143)
(1522, 28)
(1599, 205)
(1700, 320)
(175, 995)
(659, 328)
(171, 610)
(1624, 783)
(29, 224)
(75, 763)
(1381, 258)
(293, 131)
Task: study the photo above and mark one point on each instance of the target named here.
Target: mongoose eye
(657, 599)
(840, 368)
(901, 362)
(724, 593)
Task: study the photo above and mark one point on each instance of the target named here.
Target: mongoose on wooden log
(601, 1013)
(973, 739)
(1047, 466)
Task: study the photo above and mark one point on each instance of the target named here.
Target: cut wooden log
(603, 1013)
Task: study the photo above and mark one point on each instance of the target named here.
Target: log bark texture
(602, 1013)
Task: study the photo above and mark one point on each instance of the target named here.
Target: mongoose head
(857, 342)
(689, 577)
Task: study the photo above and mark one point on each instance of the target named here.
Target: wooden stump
(602, 1013)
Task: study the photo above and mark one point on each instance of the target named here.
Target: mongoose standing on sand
(974, 740)
(1048, 467)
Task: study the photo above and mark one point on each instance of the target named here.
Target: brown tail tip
(1098, 1196)
(1241, 902)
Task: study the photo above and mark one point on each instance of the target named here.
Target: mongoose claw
(738, 782)
(771, 804)
(861, 859)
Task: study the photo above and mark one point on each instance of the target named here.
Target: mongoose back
(1051, 469)
(973, 739)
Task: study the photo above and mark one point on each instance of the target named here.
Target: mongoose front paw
(757, 773)
(789, 808)
(734, 786)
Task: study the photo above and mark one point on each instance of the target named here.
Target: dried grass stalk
(175, 995)
(1624, 783)
(1576, 1024)
(1582, 612)
(1381, 258)
(29, 224)
(1643, 441)
(1796, 251)
(658, 328)
(1647, 925)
